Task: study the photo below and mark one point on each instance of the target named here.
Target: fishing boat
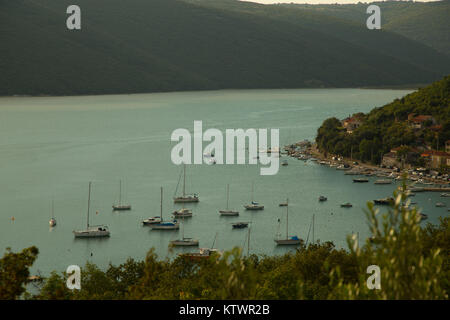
(240, 225)
(165, 225)
(184, 242)
(322, 198)
(52, 221)
(383, 181)
(92, 231)
(289, 240)
(346, 205)
(182, 213)
(185, 197)
(120, 206)
(253, 205)
(384, 201)
(227, 211)
(360, 180)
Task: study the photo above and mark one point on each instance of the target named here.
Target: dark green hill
(426, 22)
(169, 45)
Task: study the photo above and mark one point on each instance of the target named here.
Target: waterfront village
(421, 163)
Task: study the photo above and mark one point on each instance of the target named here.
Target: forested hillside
(387, 127)
(171, 45)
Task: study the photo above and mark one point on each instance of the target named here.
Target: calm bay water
(50, 147)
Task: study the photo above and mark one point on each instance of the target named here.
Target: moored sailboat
(163, 225)
(185, 197)
(289, 240)
(92, 231)
(227, 211)
(120, 206)
(253, 205)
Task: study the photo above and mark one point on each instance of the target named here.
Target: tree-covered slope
(169, 45)
(426, 22)
(386, 127)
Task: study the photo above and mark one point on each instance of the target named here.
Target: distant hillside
(387, 127)
(426, 22)
(172, 45)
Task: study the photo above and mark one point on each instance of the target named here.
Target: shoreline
(406, 87)
(362, 168)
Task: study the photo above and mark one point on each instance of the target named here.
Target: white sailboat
(92, 231)
(185, 197)
(52, 221)
(184, 242)
(227, 211)
(253, 205)
(162, 225)
(293, 240)
(120, 206)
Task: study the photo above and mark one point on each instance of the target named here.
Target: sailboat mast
(89, 204)
(120, 191)
(53, 209)
(313, 228)
(228, 194)
(248, 242)
(184, 179)
(287, 217)
(252, 190)
(161, 211)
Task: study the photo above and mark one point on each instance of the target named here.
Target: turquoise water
(51, 147)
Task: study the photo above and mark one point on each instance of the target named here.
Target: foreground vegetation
(386, 127)
(414, 264)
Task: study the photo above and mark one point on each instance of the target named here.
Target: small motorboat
(52, 222)
(384, 201)
(440, 204)
(240, 225)
(360, 180)
(346, 205)
(283, 204)
(182, 213)
(152, 220)
(423, 216)
(322, 198)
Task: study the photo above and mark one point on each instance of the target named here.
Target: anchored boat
(253, 205)
(162, 225)
(92, 231)
(120, 206)
(185, 197)
(292, 240)
(227, 211)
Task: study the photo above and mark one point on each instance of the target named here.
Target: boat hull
(184, 243)
(285, 242)
(254, 208)
(165, 227)
(228, 213)
(91, 234)
(121, 208)
(185, 199)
